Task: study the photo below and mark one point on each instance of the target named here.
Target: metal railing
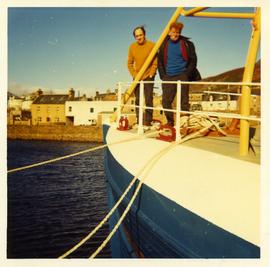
(178, 110)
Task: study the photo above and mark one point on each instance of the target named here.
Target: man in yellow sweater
(137, 54)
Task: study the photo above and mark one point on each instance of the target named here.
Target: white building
(15, 103)
(19, 104)
(219, 105)
(86, 112)
(214, 105)
(26, 105)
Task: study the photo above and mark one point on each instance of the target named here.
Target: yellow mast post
(224, 15)
(193, 11)
(247, 77)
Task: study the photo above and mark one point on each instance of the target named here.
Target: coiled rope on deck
(196, 121)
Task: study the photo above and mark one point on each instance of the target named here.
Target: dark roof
(106, 94)
(9, 94)
(106, 112)
(52, 99)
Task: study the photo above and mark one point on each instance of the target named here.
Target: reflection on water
(52, 207)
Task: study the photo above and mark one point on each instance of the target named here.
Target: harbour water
(52, 207)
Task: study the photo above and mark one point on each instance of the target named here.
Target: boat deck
(224, 145)
(204, 175)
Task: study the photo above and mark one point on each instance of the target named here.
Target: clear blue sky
(86, 48)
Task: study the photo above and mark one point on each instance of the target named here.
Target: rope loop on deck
(197, 121)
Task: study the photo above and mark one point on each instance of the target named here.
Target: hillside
(234, 75)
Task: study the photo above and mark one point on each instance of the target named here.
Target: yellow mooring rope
(56, 159)
(111, 211)
(147, 167)
(78, 153)
(149, 164)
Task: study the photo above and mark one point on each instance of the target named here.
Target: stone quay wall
(55, 132)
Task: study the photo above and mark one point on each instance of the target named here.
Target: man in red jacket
(177, 60)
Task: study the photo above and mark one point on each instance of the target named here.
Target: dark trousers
(148, 96)
(169, 92)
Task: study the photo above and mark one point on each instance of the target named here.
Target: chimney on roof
(39, 92)
(84, 98)
(71, 93)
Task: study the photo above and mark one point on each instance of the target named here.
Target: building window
(132, 102)
(161, 112)
(57, 119)
(114, 109)
(69, 109)
(48, 119)
(39, 119)
(91, 110)
(57, 108)
(38, 108)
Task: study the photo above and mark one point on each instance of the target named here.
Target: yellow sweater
(137, 55)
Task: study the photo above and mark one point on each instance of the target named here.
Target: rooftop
(52, 99)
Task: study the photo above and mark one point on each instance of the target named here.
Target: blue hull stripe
(162, 228)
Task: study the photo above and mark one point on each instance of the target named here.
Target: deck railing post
(141, 99)
(119, 102)
(178, 108)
